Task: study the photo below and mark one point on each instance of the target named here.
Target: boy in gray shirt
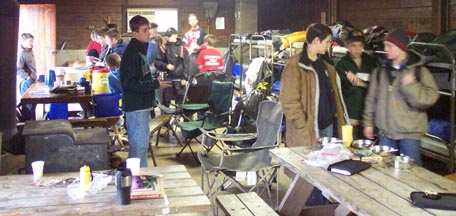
(26, 68)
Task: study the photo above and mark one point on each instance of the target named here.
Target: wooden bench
(244, 204)
(155, 125)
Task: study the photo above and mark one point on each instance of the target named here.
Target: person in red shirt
(210, 59)
(193, 39)
(94, 47)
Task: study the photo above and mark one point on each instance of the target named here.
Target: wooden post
(333, 11)
(439, 16)
(1, 154)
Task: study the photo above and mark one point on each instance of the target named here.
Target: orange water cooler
(100, 80)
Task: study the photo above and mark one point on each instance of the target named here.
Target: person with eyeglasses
(310, 96)
(353, 69)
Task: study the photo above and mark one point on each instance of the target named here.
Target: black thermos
(123, 184)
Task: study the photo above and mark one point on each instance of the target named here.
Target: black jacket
(177, 55)
(138, 85)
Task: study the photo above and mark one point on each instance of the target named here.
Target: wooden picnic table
(38, 93)
(18, 196)
(380, 190)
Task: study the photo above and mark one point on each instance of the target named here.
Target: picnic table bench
(244, 204)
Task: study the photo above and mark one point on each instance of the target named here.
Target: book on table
(348, 167)
(146, 187)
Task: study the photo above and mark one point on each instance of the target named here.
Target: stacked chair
(252, 159)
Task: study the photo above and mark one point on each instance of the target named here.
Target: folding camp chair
(253, 159)
(195, 97)
(198, 85)
(219, 102)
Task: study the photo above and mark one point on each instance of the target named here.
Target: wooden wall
(290, 14)
(414, 15)
(452, 12)
(75, 16)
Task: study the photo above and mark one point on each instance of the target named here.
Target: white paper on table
(40, 92)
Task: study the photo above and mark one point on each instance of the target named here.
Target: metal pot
(362, 144)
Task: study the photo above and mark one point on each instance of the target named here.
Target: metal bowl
(383, 150)
(402, 162)
(362, 152)
(362, 144)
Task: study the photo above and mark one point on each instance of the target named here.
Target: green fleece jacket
(398, 110)
(138, 85)
(353, 95)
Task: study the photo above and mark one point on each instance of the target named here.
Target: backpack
(417, 72)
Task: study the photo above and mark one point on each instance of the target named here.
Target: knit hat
(170, 32)
(399, 38)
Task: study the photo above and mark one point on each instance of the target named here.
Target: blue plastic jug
(50, 78)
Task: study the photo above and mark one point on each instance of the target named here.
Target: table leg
(86, 110)
(342, 211)
(295, 197)
(44, 110)
(33, 111)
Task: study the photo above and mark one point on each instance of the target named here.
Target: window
(164, 17)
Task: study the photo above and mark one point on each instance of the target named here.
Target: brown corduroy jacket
(299, 97)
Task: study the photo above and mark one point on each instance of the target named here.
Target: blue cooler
(107, 105)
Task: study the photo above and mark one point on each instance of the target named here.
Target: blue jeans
(407, 147)
(138, 135)
(327, 132)
(24, 85)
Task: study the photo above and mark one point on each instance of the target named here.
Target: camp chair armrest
(225, 113)
(173, 109)
(437, 138)
(246, 150)
(231, 137)
(207, 114)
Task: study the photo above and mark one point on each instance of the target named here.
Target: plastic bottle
(85, 177)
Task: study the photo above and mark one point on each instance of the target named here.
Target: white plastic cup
(133, 165)
(88, 61)
(37, 167)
